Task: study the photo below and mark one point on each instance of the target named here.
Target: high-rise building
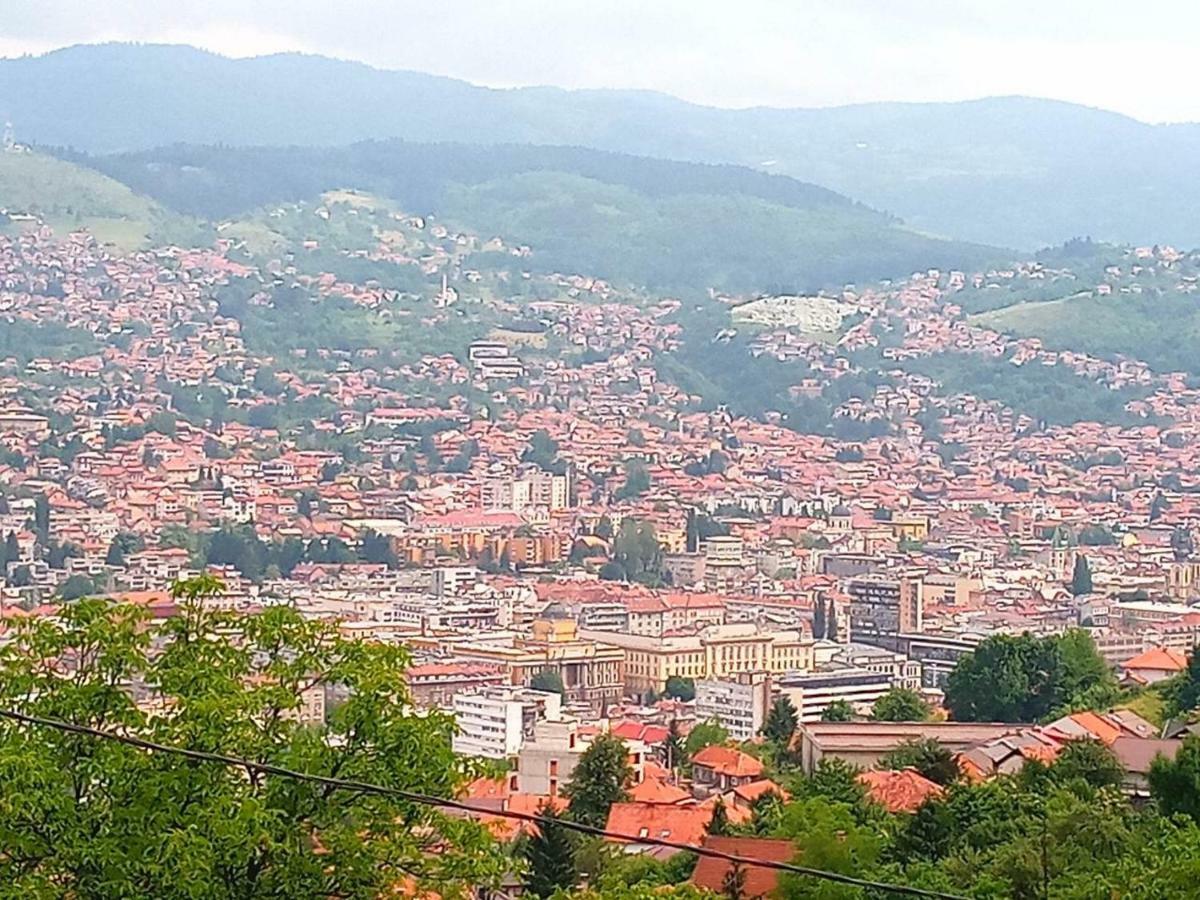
(884, 606)
(494, 722)
(739, 703)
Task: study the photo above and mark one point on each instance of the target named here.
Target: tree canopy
(900, 705)
(1022, 678)
(601, 778)
(95, 818)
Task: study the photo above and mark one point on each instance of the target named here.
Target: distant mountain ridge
(1009, 171)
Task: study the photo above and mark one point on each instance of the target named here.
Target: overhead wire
(470, 808)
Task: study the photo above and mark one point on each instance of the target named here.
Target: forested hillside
(667, 225)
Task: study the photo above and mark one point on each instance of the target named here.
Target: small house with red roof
(720, 769)
(636, 822)
(1155, 665)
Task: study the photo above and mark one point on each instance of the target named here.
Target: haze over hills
(1009, 171)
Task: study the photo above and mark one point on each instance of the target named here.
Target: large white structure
(813, 692)
(531, 488)
(495, 722)
(739, 704)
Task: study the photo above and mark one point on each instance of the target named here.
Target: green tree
(549, 853)
(832, 628)
(681, 688)
(542, 450)
(1090, 761)
(12, 547)
(122, 545)
(819, 624)
(1182, 693)
(766, 813)
(1081, 577)
(838, 711)
(719, 823)
(95, 818)
(1088, 681)
(828, 836)
(618, 872)
(601, 778)
(75, 587)
(674, 749)
(733, 883)
(705, 734)
(637, 480)
(1007, 678)
(925, 755)
(1175, 783)
(637, 554)
(377, 548)
(900, 705)
(548, 680)
(41, 518)
(781, 722)
(835, 780)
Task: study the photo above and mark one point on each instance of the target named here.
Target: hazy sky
(1138, 58)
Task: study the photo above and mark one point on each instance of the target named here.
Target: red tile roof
(682, 824)
(902, 791)
(1157, 658)
(652, 790)
(711, 874)
(751, 791)
(729, 762)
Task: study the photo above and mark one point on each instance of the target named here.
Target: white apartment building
(494, 722)
(531, 488)
(739, 704)
(813, 692)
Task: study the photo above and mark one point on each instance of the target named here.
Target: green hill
(727, 241)
(68, 197)
(662, 224)
(1103, 300)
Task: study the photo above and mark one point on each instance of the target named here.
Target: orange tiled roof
(1158, 658)
(727, 761)
(750, 792)
(684, 824)
(1106, 732)
(712, 874)
(902, 791)
(652, 790)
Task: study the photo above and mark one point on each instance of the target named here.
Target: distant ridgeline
(665, 225)
(1010, 171)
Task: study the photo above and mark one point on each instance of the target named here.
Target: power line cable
(461, 806)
